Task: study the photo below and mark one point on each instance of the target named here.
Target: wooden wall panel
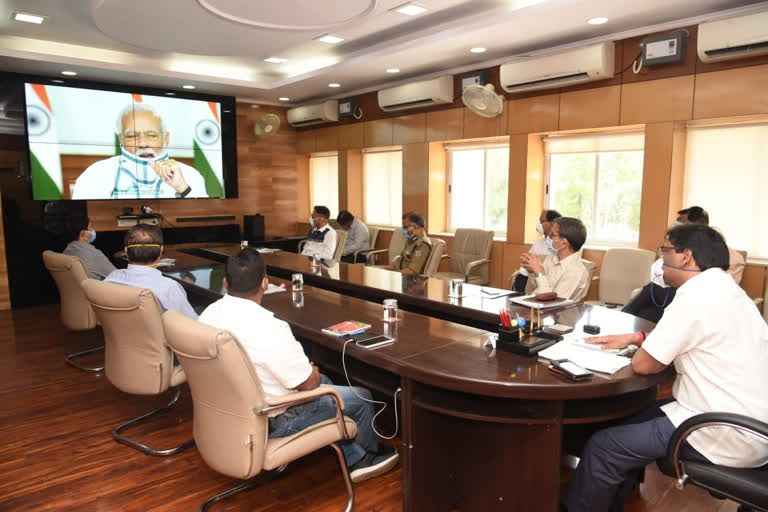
(496, 269)
(409, 129)
(668, 99)
(416, 178)
(305, 142)
(532, 115)
(351, 136)
(753, 281)
(677, 172)
(444, 125)
(657, 171)
(518, 169)
(593, 108)
(377, 133)
(476, 127)
(303, 207)
(5, 293)
(735, 92)
(327, 139)
(437, 186)
(534, 186)
(351, 193)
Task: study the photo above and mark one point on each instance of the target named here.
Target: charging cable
(373, 420)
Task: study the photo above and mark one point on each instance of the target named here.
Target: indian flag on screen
(45, 158)
(207, 146)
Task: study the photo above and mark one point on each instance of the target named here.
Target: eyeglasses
(664, 248)
(150, 136)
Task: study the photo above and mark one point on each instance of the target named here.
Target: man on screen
(142, 170)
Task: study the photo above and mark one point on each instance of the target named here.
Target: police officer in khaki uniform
(414, 257)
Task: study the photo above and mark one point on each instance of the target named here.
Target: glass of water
(297, 282)
(390, 310)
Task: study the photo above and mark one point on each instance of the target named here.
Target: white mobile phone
(370, 340)
(573, 370)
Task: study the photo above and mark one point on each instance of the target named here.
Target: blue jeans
(299, 417)
(614, 457)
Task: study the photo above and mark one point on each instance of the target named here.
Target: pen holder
(508, 335)
(510, 340)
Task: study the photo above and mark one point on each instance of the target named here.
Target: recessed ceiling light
(69, 73)
(170, 94)
(393, 70)
(334, 85)
(275, 60)
(597, 21)
(410, 9)
(254, 105)
(328, 38)
(227, 111)
(283, 98)
(27, 17)
(56, 80)
(188, 87)
(478, 49)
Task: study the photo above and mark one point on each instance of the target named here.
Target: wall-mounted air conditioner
(733, 38)
(417, 94)
(595, 62)
(314, 114)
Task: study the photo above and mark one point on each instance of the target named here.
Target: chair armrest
(708, 419)
(595, 278)
(371, 252)
(301, 245)
(445, 256)
(302, 397)
(634, 293)
(757, 301)
(473, 264)
(512, 278)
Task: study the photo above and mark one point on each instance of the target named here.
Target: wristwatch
(540, 274)
(185, 193)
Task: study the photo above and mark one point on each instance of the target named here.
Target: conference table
(481, 429)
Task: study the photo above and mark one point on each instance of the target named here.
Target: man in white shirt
(563, 272)
(539, 246)
(282, 367)
(321, 239)
(718, 342)
(142, 169)
(358, 237)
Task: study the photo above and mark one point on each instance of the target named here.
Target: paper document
(166, 262)
(590, 357)
(267, 250)
(524, 301)
(274, 289)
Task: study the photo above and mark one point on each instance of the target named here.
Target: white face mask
(676, 223)
(539, 227)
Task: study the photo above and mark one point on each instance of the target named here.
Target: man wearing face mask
(82, 233)
(414, 257)
(321, 239)
(561, 272)
(657, 295)
(142, 170)
(718, 343)
(539, 247)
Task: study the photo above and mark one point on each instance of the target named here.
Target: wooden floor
(57, 454)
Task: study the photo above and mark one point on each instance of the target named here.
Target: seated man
(83, 235)
(143, 247)
(720, 368)
(563, 272)
(282, 367)
(357, 236)
(321, 239)
(657, 295)
(414, 257)
(539, 246)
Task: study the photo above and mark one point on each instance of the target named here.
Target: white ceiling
(220, 45)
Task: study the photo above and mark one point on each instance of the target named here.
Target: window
(324, 181)
(597, 179)
(383, 181)
(477, 192)
(726, 173)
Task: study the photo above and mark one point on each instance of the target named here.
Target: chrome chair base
(267, 476)
(142, 447)
(70, 359)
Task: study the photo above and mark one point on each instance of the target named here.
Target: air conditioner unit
(595, 62)
(417, 94)
(733, 38)
(314, 114)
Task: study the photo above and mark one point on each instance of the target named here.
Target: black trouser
(350, 258)
(650, 306)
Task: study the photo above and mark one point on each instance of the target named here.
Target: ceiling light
(275, 60)
(170, 94)
(283, 98)
(410, 9)
(393, 70)
(328, 38)
(27, 17)
(334, 85)
(188, 87)
(597, 21)
(254, 105)
(478, 49)
(69, 73)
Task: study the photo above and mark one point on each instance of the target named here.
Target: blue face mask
(405, 232)
(550, 246)
(92, 237)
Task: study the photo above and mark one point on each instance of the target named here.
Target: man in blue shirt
(144, 247)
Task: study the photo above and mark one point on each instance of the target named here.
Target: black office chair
(746, 486)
